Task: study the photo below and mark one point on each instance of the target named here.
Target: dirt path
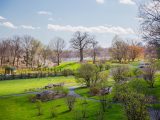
(18, 94)
(71, 92)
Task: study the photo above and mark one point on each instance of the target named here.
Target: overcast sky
(46, 19)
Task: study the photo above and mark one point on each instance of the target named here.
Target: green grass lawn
(19, 86)
(135, 63)
(19, 108)
(68, 65)
(156, 90)
(83, 91)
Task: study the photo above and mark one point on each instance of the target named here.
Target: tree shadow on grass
(64, 112)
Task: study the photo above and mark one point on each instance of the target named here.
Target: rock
(46, 95)
(53, 85)
(105, 90)
(49, 95)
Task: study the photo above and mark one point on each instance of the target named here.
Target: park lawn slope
(20, 86)
(19, 108)
(68, 65)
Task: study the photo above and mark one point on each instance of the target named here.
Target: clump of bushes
(86, 74)
(107, 66)
(121, 73)
(94, 90)
(9, 70)
(70, 100)
(39, 107)
(149, 75)
(67, 72)
(32, 98)
(133, 99)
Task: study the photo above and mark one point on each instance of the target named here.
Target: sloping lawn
(19, 108)
(19, 86)
(68, 65)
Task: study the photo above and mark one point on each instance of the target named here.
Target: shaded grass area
(19, 108)
(156, 90)
(19, 86)
(85, 92)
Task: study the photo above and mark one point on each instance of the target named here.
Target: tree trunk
(119, 60)
(58, 59)
(1, 61)
(17, 61)
(94, 57)
(81, 55)
(14, 60)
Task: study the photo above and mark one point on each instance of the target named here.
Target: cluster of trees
(132, 92)
(31, 52)
(122, 50)
(24, 50)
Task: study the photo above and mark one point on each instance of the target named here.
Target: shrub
(39, 107)
(137, 72)
(107, 66)
(9, 69)
(84, 109)
(100, 66)
(138, 85)
(70, 102)
(55, 71)
(100, 115)
(67, 72)
(149, 75)
(135, 106)
(103, 102)
(53, 112)
(121, 73)
(103, 78)
(32, 98)
(134, 102)
(86, 74)
(94, 90)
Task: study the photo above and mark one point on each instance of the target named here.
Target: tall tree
(119, 49)
(57, 45)
(27, 46)
(5, 50)
(45, 52)
(150, 22)
(134, 50)
(94, 44)
(16, 49)
(35, 48)
(80, 41)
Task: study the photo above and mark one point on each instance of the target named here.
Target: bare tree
(57, 45)
(134, 50)
(70, 102)
(149, 75)
(150, 52)
(5, 51)
(45, 52)
(150, 22)
(80, 41)
(27, 46)
(16, 49)
(119, 49)
(35, 49)
(94, 50)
